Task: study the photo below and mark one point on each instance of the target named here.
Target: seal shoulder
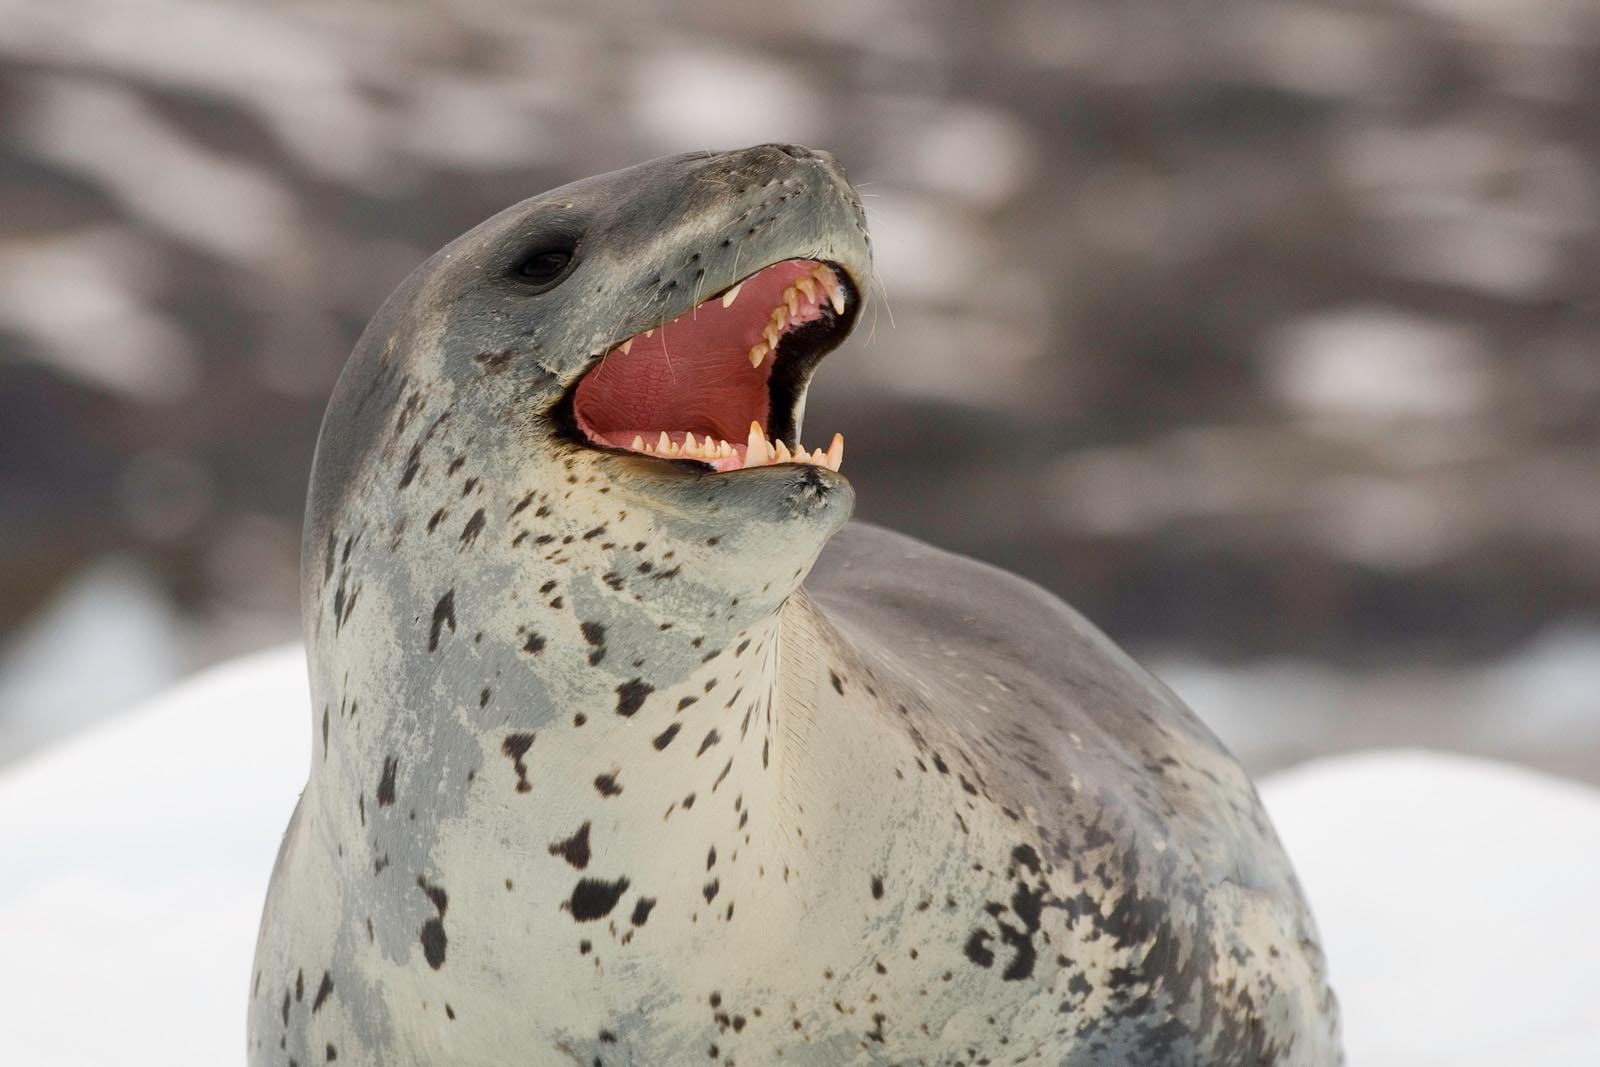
(1125, 791)
(1061, 713)
(875, 582)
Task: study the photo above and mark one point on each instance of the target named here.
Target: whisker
(664, 353)
(877, 283)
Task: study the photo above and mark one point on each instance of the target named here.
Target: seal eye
(545, 267)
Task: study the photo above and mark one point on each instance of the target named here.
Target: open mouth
(723, 383)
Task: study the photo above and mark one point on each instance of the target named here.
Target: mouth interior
(722, 383)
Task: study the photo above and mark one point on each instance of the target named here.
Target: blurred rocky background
(1263, 332)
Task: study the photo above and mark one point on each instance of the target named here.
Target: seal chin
(721, 387)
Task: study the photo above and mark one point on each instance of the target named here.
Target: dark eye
(545, 267)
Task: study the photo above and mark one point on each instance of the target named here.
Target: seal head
(633, 329)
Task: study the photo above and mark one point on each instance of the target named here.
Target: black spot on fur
(1026, 856)
(606, 785)
(444, 614)
(664, 738)
(575, 849)
(595, 634)
(534, 644)
(641, 910)
(976, 950)
(474, 527)
(492, 362)
(877, 887)
(413, 464)
(324, 990)
(433, 936)
(630, 696)
(593, 898)
(516, 746)
(386, 783)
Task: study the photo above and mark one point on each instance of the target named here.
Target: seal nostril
(795, 150)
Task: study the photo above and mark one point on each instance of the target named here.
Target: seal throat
(723, 384)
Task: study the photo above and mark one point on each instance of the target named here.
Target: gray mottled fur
(596, 782)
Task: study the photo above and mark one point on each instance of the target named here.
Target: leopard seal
(597, 780)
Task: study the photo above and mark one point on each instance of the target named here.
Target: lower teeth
(759, 451)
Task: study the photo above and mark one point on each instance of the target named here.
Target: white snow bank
(1457, 902)
(135, 861)
(1456, 896)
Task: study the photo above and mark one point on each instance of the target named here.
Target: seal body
(596, 781)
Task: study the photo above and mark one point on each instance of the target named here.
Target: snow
(1456, 899)
(136, 858)
(1455, 895)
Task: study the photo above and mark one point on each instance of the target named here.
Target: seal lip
(720, 387)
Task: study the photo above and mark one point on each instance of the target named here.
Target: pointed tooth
(650, 333)
(808, 287)
(664, 443)
(771, 334)
(756, 452)
(638, 442)
(781, 452)
(624, 346)
(690, 448)
(819, 457)
(791, 297)
(731, 295)
(758, 352)
(836, 452)
(830, 284)
(724, 449)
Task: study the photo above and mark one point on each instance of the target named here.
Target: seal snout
(800, 151)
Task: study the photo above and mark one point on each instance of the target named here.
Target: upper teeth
(793, 304)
